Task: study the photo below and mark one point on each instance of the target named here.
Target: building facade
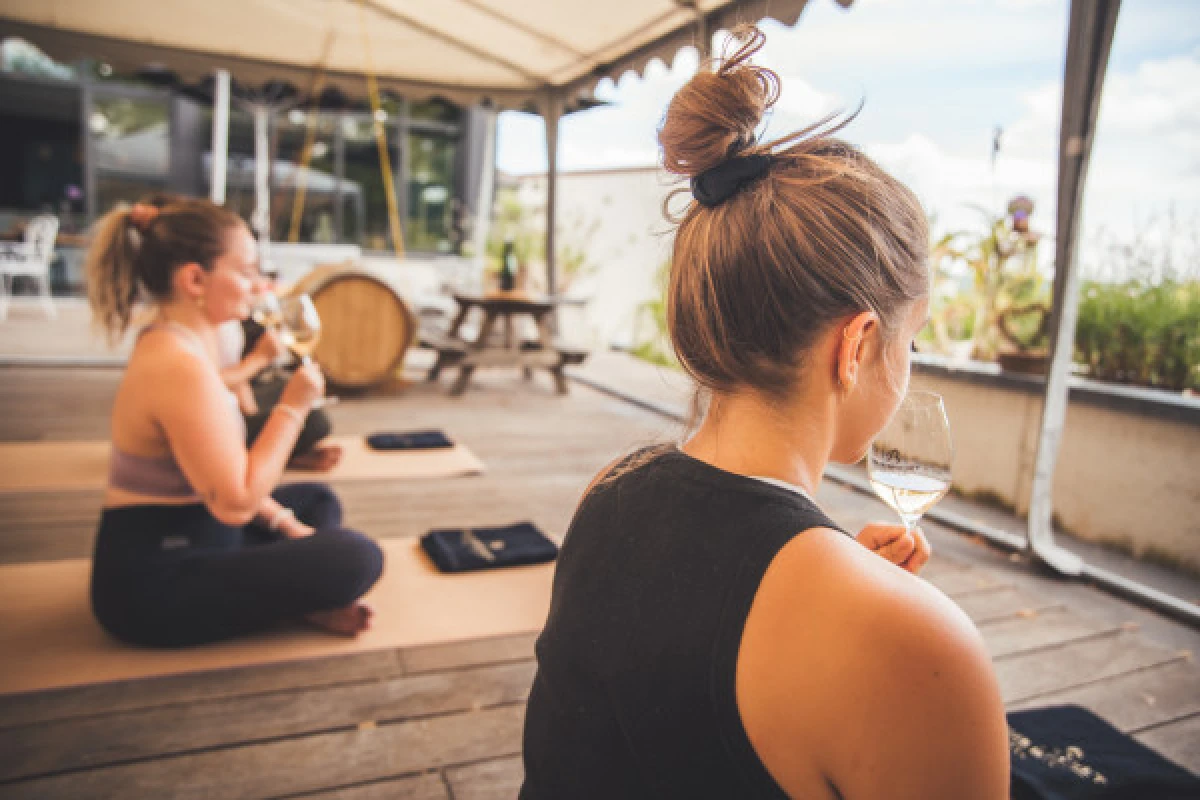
(76, 140)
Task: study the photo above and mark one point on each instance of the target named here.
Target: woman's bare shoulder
(841, 646)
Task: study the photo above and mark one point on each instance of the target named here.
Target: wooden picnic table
(497, 343)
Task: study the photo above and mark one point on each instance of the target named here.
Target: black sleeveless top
(635, 690)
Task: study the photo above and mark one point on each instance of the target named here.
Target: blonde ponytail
(135, 251)
(110, 272)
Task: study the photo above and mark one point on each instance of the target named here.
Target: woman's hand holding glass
(305, 389)
(909, 467)
(906, 548)
(270, 346)
(302, 332)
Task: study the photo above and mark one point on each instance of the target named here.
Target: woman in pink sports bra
(195, 542)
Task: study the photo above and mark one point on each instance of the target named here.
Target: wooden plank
(1179, 741)
(428, 786)
(1009, 637)
(1135, 700)
(495, 650)
(959, 582)
(126, 696)
(1044, 672)
(115, 738)
(296, 765)
(490, 780)
(1003, 603)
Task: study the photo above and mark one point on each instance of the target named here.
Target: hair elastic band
(714, 186)
(141, 215)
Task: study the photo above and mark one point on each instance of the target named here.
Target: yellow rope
(385, 163)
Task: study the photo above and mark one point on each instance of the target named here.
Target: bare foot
(348, 621)
(320, 459)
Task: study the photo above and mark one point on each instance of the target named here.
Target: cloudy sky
(937, 77)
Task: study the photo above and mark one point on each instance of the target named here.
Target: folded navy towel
(410, 440)
(1069, 753)
(468, 549)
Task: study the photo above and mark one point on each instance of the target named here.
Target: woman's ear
(191, 283)
(852, 347)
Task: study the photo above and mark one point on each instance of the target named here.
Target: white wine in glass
(909, 461)
(302, 324)
(302, 332)
(267, 311)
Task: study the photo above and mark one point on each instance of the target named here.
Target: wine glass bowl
(909, 460)
(301, 332)
(267, 311)
(301, 326)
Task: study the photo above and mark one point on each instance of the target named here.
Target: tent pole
(220, 138)
(261, 219)
(703, 36)
(1089, 39)
(483, 204)
(552, 113)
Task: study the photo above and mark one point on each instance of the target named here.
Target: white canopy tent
(546, 56)
(539, 55)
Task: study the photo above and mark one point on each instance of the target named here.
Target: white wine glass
(267, 313)
(909, 461)
(302, 332)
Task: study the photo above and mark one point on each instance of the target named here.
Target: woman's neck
(193, 322)
(747, 434)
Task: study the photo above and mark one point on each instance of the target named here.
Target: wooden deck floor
(445, 722)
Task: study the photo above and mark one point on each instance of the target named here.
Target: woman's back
(635, 694)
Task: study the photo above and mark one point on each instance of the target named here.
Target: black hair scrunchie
(714, 186)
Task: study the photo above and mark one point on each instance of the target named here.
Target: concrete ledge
(1155, 403)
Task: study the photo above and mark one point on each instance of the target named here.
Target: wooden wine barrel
(365, 327)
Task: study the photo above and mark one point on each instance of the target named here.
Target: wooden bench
(450, 351)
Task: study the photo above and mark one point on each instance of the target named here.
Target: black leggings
(169, 576)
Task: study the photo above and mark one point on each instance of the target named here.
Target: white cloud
(938, 74)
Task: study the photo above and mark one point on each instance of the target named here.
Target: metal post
(261, 219)
(487, 181)
(87, 107)
(339, 172)
(220, 138)
(703, 36)
(552, 113)
(1089, 39)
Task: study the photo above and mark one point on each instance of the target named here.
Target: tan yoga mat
(62, 466)
(50, 640)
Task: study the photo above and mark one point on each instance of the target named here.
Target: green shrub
(1141, 334)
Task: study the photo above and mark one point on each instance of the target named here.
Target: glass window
(131, 147)
(366, 211)
(239, 164)
(432, 223)
(317, 178)
(130, 135)
(435, 110)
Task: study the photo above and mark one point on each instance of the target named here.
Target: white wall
(630, 243)
(1122, 477)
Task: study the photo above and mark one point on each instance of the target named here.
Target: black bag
(1069, 753)
(468, 549)
(412, 440)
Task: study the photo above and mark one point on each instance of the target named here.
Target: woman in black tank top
(712, 633)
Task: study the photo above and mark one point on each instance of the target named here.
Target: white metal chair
(30, 258)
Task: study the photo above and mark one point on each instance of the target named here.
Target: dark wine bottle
(508, 268)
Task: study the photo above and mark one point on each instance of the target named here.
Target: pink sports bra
(158, 476)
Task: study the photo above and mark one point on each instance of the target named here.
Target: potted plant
(1006, 314)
